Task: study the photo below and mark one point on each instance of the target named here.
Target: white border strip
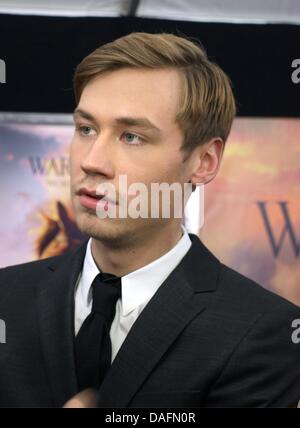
(62, 12)
(36, 118)
(172, 17)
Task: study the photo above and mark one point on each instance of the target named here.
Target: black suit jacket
(209, 337)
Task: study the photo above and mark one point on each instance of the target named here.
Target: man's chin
(106, 230)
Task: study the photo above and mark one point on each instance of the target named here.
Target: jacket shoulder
(249, 294)
(33, 270)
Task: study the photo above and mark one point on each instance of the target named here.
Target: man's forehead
(136, 73)
(141, 86)
(152, 105)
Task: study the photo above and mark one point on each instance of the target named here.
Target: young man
(143, 312)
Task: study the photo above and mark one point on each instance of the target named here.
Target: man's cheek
(75, 162)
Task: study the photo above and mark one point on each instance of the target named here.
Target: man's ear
(207, 161)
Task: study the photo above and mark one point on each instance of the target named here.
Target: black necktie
(92, 343)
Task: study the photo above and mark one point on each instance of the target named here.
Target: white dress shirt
(137, 288)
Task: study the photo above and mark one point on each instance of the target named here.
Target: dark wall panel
(42, 52)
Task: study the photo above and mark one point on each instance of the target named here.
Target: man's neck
(121, 261)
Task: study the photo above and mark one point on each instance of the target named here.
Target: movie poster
(36, 219)
(252, 215)
(250, 211)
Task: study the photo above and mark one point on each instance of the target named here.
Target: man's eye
(132, 139)
(85, 131)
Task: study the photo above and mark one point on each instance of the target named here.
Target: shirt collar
(89, 271)
(138, 286)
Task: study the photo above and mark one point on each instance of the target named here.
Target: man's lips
(91, 193)
(89, 198)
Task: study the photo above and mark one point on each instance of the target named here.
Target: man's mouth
(89, 198)
(90, 193)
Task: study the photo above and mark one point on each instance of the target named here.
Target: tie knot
(106, 291)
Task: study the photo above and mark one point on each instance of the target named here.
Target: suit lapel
(180, 298)
(56, 316)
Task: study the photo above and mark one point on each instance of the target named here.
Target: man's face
(125, 124)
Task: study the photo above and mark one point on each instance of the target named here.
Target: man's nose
(98, 159)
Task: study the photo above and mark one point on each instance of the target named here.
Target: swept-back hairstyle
(207, 106)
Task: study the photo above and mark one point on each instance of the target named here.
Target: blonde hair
(207, 105)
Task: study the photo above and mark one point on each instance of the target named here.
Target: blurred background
(251, 209)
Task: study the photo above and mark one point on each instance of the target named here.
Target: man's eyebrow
(142, 122)
(84, 114)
